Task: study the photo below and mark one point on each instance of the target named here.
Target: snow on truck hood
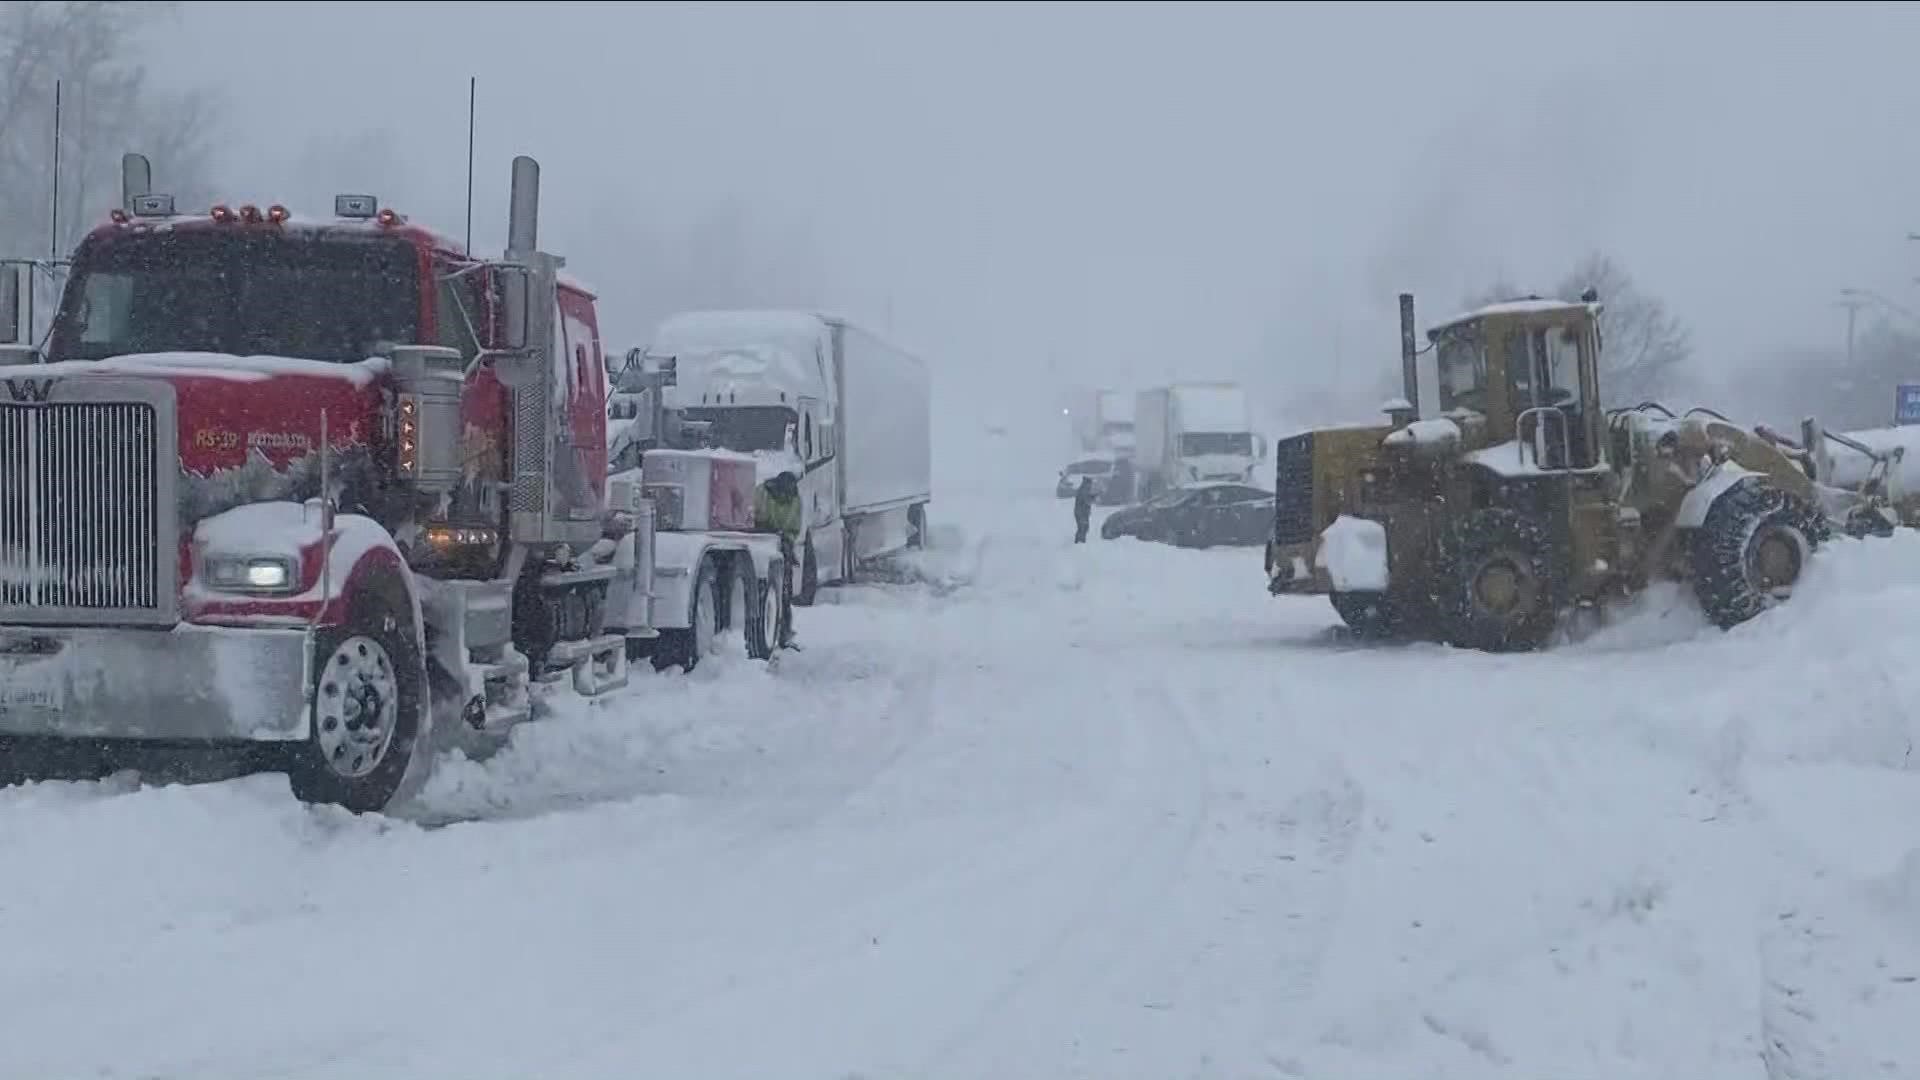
(202, 365)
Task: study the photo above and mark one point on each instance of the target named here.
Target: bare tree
(1644, 346)
(92, 51)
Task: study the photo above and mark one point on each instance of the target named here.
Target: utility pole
(1853, 301)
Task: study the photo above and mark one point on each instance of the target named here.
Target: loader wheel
(1750, 551)
(1496, 587)
(368, 705)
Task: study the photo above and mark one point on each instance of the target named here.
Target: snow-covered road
(1104, 811)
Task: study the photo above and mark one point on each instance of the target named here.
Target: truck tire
(685, 648)
(809, 576)
(917, 527)
(1751, 550)
(767, 616)
(1496, 587)
(368, 704)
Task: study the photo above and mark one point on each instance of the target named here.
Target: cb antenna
(473, 82)
(53, 235)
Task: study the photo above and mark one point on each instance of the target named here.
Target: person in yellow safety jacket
(776, 508)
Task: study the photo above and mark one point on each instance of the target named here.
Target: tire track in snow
(1105, 932)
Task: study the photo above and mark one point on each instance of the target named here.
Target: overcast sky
(1119, 192)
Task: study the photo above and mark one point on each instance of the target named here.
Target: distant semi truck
(1190, 433)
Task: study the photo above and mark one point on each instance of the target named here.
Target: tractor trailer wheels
(369, 704)
(685, 648)
(766, 618)
(1751, 550)
(1497, 586)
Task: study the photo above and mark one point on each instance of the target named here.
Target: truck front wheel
(368, 705)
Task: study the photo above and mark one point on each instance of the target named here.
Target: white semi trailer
(824, 396)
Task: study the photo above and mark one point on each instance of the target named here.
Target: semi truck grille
(1293, 490)
(85, 512)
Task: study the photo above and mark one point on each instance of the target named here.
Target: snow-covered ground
(1104, 811)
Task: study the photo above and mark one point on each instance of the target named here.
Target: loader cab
(1530, 368)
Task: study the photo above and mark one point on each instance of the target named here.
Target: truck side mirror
(10, 329)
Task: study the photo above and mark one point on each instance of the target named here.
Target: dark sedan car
(1201, 515)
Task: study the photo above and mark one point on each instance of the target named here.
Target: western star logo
(30, 391)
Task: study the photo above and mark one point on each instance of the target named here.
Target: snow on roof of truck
(199, 221)
(1531, 305)
(1116, 407)
(717, 350)
(710, 329)
(1212, 407)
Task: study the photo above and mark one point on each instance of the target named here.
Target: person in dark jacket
(1082, 509)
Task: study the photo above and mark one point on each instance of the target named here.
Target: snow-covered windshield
(244, 291)
(747, 429)
(1463, 369)
(1216, 442)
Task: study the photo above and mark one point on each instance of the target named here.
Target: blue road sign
(1906, 404)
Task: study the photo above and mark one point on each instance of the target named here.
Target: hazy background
(1033, 195)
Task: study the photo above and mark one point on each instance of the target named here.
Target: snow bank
(1851, 468)
(1141, 818)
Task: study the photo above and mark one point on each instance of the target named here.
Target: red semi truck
(317, 487)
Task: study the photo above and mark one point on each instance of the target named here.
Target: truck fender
(361, 550)
(1693, 508)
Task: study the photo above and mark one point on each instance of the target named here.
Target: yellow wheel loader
(1522, 497)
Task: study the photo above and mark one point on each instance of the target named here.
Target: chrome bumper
(186, 683)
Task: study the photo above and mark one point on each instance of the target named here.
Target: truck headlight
(250, 573)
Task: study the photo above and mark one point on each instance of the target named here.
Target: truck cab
(292, 480)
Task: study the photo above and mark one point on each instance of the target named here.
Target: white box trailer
(1101, 421)
(1190, 433)
(822, 395)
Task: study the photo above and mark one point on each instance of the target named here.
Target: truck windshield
(747, 428)
(1216, 442)
(242, 291)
